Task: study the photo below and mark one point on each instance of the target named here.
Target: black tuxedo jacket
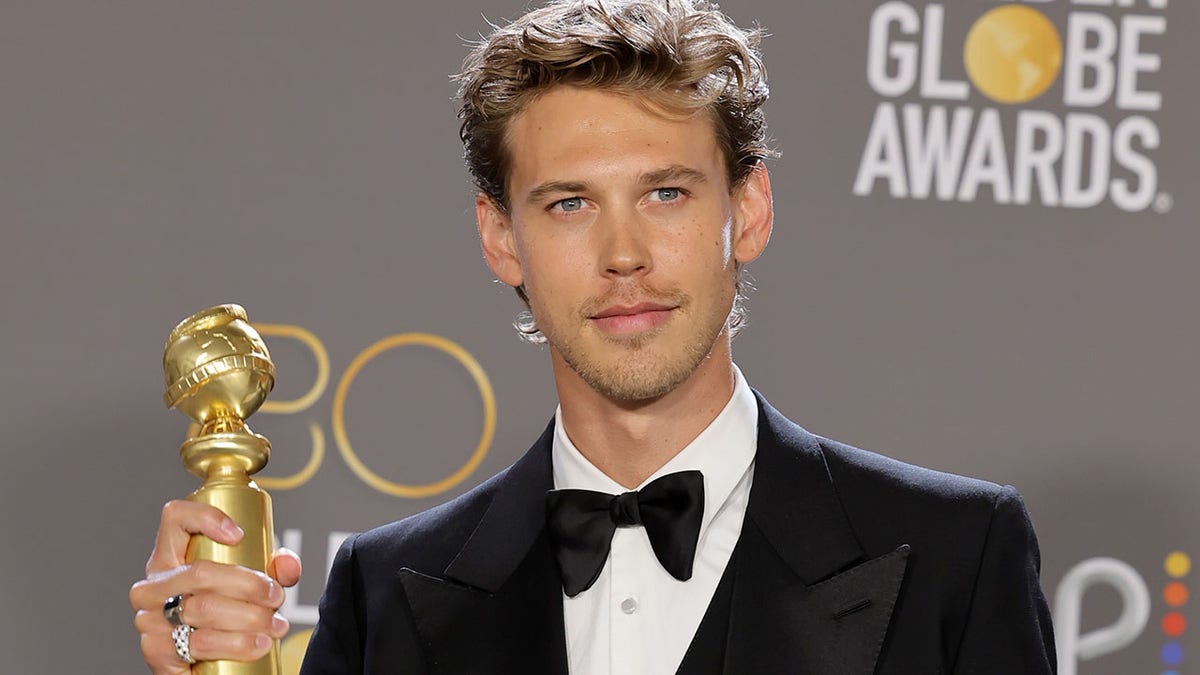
(848, 563)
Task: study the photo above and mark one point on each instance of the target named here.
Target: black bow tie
(582, 523)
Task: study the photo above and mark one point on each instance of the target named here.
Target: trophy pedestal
(248, 506)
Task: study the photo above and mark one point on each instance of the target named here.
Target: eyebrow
(548, 188)
(676, 173)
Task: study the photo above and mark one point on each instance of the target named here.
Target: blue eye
(571, 204)
(666, 194)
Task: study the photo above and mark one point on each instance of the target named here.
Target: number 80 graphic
(360, 469)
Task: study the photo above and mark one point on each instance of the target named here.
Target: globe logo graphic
(1013, 54)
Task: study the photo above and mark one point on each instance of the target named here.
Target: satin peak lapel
(806, 598)
(498, 605)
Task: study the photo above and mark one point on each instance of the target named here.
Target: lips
(624, 319)
(618, 310)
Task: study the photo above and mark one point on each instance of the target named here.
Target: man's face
(624, 232)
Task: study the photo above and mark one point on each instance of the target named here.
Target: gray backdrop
(301, 158)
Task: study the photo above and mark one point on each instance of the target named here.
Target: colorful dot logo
(1175, 595)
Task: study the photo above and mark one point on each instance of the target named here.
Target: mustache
(633, 294)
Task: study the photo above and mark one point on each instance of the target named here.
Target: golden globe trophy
(218, 372)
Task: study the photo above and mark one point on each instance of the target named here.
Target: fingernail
(275, 593)
(261, 641)
(279, 624)
(230, 529)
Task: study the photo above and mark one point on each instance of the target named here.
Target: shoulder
(427, 541)
(855, 470)
(873, 486)
(887, 500)
(491, 524)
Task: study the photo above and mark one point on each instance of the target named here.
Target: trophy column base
(249, 507)
(267, 665)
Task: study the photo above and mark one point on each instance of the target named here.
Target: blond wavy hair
(679, 57)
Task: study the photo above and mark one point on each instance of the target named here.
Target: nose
(624, 245)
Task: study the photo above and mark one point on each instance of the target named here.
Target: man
(668, 519)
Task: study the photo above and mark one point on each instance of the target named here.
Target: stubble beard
(633, 369)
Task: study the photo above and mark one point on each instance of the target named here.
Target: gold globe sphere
(217, 366)
(1013, 54)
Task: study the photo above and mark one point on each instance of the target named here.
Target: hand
(231, 607)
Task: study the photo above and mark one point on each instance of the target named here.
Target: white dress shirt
(637, 619)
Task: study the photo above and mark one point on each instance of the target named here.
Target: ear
(496, 238)
(753, 215)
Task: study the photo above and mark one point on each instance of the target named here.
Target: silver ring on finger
(182, 635)
(173, 610)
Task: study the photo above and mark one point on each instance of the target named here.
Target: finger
(285, 567)
(232, 581)
(217, 612)
(148, 621)
(209, 644)
(204, 644)
(180, 520)
(158, 648)
(207, 610)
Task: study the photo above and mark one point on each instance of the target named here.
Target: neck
(630, 440)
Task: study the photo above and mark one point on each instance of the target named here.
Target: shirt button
(629, 605)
